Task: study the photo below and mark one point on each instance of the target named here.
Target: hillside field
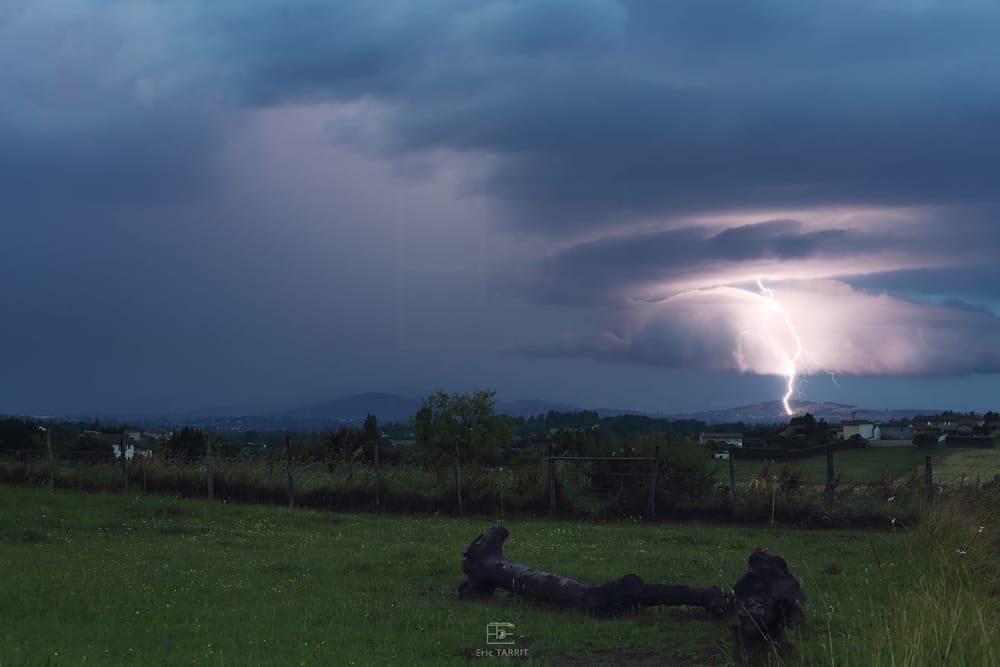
(860, 466)
(109, 579)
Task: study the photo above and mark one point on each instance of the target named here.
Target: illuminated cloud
(842, 330)
(870, 293)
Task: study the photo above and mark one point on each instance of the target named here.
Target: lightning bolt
(791, 371)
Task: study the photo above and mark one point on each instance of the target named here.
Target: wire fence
(858, 486)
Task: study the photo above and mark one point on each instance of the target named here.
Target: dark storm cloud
(92, 112)
(603, 110)
(424, 53)
(610, 266)
(607, 131)
(129, 156)
(977, 281)
(600, 111)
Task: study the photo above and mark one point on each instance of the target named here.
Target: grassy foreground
(147, 580)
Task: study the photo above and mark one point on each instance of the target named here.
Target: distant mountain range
(387, 407)
(392, 408)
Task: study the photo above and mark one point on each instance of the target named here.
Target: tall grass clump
(942, 606)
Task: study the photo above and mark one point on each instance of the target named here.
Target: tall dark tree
(89, 447)
(345, 445)
(372, 437)
(813, 430)
(19, 436)
(187, 443)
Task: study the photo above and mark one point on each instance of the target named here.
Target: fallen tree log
(762, 603)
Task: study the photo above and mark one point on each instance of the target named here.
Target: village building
(864, 428)
(896, 430)
(726, 439)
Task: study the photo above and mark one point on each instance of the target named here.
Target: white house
(897, 430)
(727, 439)
(131, 451)
(866, 429)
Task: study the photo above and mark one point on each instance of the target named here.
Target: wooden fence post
(288, 465)
(209, 473)
(652, 483)
(732, 481)
(929, 477)
(121, 453)
(458, 479)
(552, 482)
(378, 477)
(52, 465)
(829, 481)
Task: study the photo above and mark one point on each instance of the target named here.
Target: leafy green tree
(89, 447)
(19, 436)
(814, 431)
(462, 428)
(435, 426)
(345, 445)
(187, 444)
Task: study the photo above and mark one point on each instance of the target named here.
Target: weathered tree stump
(759, 607)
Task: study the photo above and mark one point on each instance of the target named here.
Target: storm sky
(612, 203)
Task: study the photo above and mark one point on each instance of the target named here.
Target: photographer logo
(500, 634)
(500, 642)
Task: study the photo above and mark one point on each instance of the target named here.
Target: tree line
(462, 427)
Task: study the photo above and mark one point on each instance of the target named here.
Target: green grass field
(150, 580)
(967, 466)
(860, 466)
